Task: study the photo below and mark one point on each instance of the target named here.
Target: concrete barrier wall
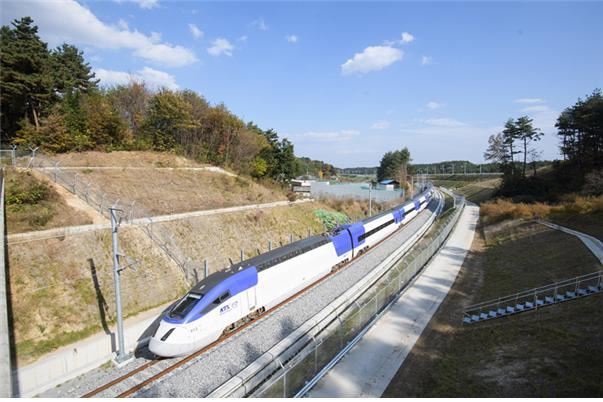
(5, 364)
(76, 359)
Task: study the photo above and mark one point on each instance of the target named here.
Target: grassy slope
(46, 211)
(591, 224)
(475, 188)
(165, 192)
(557, 351)
(54, 298)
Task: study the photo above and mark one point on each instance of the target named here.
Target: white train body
(260, 283)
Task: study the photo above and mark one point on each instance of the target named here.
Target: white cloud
(329, 136)
(148, 4)
(291, 38)
(259, 24)
(425, 60)
(444, 122)
(197, 33)
(220, 46)
(373, 58)
(154, 78)
(407, 37)
(68, 21)
(243, 38)
(434, 105)
(381, 125)
(530, 100)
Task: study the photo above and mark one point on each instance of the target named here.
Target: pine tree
(26, 81)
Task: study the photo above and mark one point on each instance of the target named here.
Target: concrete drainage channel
(286, 367)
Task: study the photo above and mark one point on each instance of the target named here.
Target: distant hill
(438, 167)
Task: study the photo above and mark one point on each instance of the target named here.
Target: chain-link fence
(100, 201)
(295, 374)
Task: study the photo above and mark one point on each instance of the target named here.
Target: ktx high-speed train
(225, 299)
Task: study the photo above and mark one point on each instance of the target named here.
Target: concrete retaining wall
(73, 360)
(5, 365)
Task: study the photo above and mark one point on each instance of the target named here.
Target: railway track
(171, 365)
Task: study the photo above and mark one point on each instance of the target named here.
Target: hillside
(61, 284)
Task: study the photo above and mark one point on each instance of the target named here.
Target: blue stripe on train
(235, 284)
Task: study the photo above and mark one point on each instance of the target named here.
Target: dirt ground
(159, 192)
(555, 352)
(125, 159)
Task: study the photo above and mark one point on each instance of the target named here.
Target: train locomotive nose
(170, 342)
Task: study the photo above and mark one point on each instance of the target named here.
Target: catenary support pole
(121, 352)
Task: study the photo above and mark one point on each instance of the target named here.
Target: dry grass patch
(33, 205)
(502, 209)
(216, 238)
(165, 192)
(62, 289)
(125, 159)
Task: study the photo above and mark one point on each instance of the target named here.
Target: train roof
(211, 281)
(273, 257)
(262, 261)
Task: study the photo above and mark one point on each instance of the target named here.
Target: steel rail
(223, 338)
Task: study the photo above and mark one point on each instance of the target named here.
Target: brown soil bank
(554, 352)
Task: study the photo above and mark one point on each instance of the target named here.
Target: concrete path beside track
(594, 245)
(369, 367)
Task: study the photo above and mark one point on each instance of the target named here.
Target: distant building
(388, 184)
(302, 187)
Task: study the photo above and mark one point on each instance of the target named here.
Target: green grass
(591, 224)
(554, 352)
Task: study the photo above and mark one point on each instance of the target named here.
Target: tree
(510, 135)
(131, 102)
(394, 165)
(581, 130)
(70, 70)
(498, 151)
(26, 81)
(168, 116)
(526, 133)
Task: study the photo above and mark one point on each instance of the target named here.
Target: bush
(593, 183)
(20, 192)
(503, 209)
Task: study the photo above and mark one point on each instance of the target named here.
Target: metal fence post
(269, 245)
(242, 255)
(206, 269)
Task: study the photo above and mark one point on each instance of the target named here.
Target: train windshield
(185, 305)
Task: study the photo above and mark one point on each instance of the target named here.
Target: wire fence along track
(170, 365)
(94, 196)
(301, 373)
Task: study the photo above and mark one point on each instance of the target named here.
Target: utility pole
(121, 356)
(370, 201)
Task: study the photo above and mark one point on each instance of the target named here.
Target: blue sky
(347, 82)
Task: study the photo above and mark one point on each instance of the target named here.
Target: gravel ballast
(207, 372)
